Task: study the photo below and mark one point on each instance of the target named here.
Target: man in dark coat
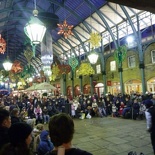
(150, 120)
(5, 123)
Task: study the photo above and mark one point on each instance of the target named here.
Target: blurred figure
(20, 139)
(45, 144)
(5, 123)
(61, 129)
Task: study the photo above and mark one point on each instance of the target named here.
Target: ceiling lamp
(35, 29)
(65, 29)
(7, 64)
(93, 57)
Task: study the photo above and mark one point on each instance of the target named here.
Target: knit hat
(18, 133)
(148, 103)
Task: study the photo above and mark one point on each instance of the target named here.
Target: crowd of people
(18, 115)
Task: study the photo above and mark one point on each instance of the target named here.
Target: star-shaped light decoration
(95, 39)
(2, 45)
(65, 29)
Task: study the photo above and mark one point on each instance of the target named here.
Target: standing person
(150, 121)
(20, 139)
(5, 123)
(61, 130)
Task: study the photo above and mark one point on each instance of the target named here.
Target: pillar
(81, 84)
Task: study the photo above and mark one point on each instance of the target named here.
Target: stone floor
(112, 136)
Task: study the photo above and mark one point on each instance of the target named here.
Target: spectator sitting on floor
(15, 116)
(45, 144)
(61, 129)
(5, 123)
(38, 114)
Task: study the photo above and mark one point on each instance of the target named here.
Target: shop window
(113, 66)
(131, 61)
(98, 69)
(153, 56)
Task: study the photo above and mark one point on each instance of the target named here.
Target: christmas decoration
(16, 67)
(28, 53)
(95, 39)
(2, 45)
(73, 62)
(64, 69)
(85, 69)
(55, 72)
(65, 29)
(120, 54)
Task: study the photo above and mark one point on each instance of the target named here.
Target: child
(45, 144)
(114, 110)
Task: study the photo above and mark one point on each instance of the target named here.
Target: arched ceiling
(86, 15)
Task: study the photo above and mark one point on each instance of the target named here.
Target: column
(64, 84)
(141, 67)
(105, 82)
(120, 70)
(72, 79)
(81, 84)
(91, 84)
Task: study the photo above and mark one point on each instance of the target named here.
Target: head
(148, 103)
(44, 135)
(61, 129)
(5, 120)
(20, 134)
(15, 112)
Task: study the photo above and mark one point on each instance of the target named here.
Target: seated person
(15, 116)
(61, 130)
(38, 114)
(45, 144)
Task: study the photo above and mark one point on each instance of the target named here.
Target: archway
(151, 85)
(77, 91)
(99, 89)
(86, 89)
(133, 85)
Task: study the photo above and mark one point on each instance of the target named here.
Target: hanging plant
(85, 69)
(55, 72)
(27, 71)
(73, 62)
(95, 39)
(120, 54)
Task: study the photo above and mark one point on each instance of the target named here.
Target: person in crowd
(15, 116)
(61, 130)
(46, 116)
(150, 121)
(135, 109)
(5, 123)
(38, 114)
(45, 144)
(20, 139)
(127, 107)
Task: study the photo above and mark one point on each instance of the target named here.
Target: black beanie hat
(18, 133)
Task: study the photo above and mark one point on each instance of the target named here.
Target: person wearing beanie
(150, 121)
(20, 139)
(61, 131)
(5, 123)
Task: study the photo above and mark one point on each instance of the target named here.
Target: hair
(61, 129)
(4, 114)
(14, 111)
(9, 149)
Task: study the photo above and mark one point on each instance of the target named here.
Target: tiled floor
(112, 136)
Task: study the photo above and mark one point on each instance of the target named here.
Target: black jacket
(4, 137)
(72, 151)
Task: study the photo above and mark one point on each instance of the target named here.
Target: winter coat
(4, 137)
(45, 144)
(72, 151)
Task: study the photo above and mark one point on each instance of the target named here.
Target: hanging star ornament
(95, 39)
(65, 29)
